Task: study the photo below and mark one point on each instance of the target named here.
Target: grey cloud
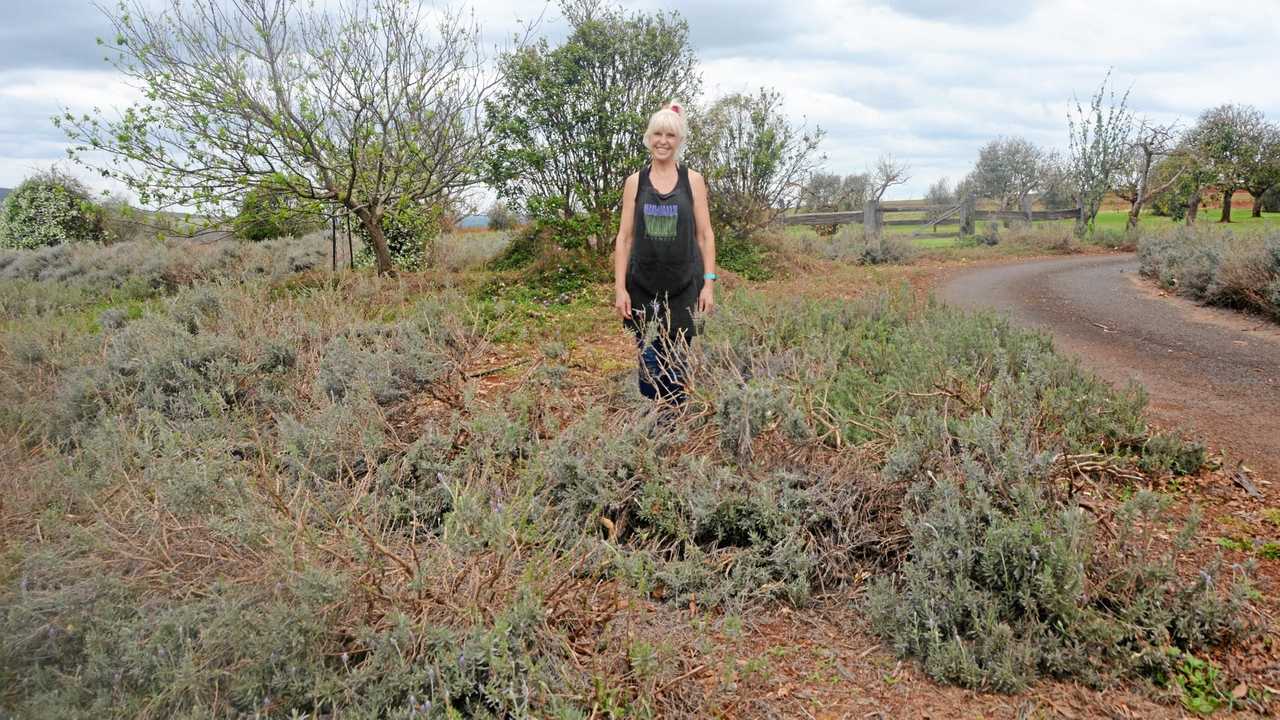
(761, 27)
(58, 34)
(973, 12)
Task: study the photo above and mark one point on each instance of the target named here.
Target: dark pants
(662, 370)
(664, 327)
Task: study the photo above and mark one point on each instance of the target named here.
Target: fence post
(871, 222)
(968, 207)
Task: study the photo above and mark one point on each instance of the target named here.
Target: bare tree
(1133, 181)
(365, 106)
(1100, 142)
(888, 172)
(939, 196)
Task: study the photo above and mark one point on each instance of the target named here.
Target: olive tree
(1100, 141)
(755, 160)
(1263, 171)
(1009, 170)
(567, 122)
(829, 192)
(363, 105)
(1230, 138)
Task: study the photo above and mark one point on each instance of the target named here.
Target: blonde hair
(669, 119)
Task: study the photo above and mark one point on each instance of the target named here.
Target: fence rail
(856, 216)
(965, 214)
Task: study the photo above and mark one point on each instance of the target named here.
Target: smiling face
(663, 144)
(665, 135)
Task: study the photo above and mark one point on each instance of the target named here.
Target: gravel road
(1214, 374)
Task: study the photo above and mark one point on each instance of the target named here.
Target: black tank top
(665, 258)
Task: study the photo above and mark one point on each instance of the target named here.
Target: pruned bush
(1003, 585)
(52, 279)
(284, 501)
(49, 208)
(889, 250)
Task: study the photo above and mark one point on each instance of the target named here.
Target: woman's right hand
(622, 303)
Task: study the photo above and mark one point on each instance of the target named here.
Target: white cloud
(927, 80)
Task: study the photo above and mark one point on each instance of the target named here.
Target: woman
(664, 263)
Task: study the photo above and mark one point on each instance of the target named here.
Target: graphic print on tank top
(660, 221)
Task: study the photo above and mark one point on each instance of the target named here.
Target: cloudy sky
(927, 80)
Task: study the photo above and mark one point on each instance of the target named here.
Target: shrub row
(1217, 268)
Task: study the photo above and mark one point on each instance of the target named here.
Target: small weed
(1272, 516)
(1199, 682)
(1228, 543)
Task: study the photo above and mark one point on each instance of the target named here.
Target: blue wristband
(708, 276)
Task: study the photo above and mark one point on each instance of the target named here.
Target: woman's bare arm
(622, 246)
(706, 236)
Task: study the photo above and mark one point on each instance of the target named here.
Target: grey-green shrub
(1219, 268)
(1004, 586)
(291, 499)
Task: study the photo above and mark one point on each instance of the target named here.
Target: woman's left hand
(706, 299)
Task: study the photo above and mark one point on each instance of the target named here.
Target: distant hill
(5, 191)
(474, 221)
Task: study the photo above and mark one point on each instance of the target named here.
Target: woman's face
(663, 144)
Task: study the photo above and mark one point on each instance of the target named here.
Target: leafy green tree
(49, 208)
(1230, 138)
(270, 210)
(365, 105)
(1271, 199)
(829, 192)
(1183, 175)
(1263, 172)
(568, 120)
(1009, 170)
(754, 159)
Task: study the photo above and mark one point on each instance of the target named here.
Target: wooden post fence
(965, 214)
(871, 222)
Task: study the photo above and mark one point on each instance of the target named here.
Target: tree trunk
(1134, 211)
(1088, 212)
(1193, 208)
(373, 225)
(1227, 194)
(1257, 204)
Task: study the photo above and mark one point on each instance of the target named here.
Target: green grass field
(1106, 227)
